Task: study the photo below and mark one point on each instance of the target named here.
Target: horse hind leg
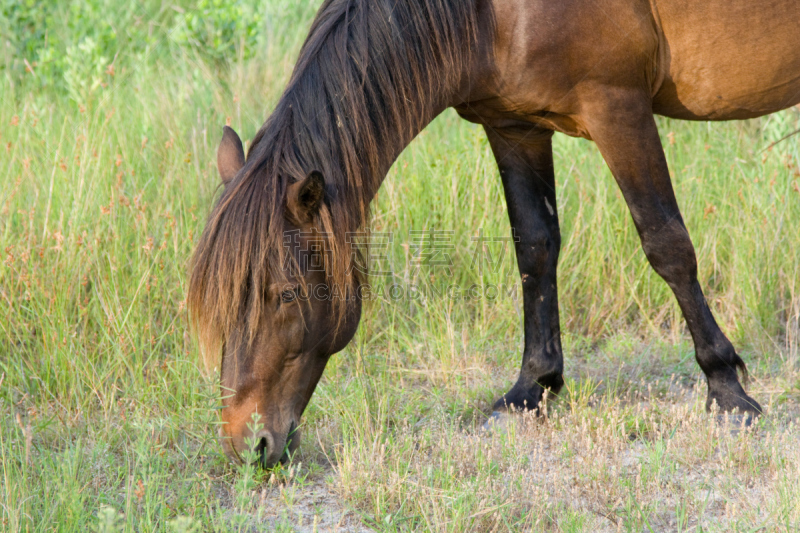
(526, 170)
(628, 139)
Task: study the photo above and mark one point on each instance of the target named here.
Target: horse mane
(367, 76)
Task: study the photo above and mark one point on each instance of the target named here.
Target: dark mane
(364, 85)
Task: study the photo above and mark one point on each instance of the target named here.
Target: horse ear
(230, 155)
(304, 198)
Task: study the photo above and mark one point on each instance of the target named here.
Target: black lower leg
(628, 138)
(528, 181)
(715, 354)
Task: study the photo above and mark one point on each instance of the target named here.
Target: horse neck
(356, 105)
(393, 151)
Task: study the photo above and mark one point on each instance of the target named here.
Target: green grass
(108, 422)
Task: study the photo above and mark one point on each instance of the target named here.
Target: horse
(370, 76)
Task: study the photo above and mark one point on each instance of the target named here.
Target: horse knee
(670, 251)
(536, 256)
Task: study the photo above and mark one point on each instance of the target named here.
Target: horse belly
(728, 59)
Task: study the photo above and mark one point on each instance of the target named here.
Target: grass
(108, 422)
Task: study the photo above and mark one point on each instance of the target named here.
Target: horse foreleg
(526, 170)
(625, 131)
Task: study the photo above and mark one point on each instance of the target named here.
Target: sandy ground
(307, 508)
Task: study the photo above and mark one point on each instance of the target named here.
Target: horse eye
(288, 295)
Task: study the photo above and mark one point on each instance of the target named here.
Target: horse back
(702, 60)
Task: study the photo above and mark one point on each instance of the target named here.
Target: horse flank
(367, 76)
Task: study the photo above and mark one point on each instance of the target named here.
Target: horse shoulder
(550, 58)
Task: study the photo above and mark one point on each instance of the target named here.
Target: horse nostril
(264, 447)
(291, 442)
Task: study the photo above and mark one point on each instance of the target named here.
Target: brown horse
(371, 75)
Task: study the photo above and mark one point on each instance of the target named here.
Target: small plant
(85, 65)
(217, 28)
(581, 394)
(184, 524)
(246, 482)
(108, 520)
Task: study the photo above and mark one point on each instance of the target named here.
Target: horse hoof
(737, 421)
(497, 420)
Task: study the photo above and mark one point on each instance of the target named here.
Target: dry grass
(614, 461)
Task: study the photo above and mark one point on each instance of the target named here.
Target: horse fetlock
(546, 373)
(553, 382)
(720, 365)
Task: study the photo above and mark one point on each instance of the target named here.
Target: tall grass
(107, 420)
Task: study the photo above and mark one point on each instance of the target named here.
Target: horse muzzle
(266, 448)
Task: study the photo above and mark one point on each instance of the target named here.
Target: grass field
(107, 420)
